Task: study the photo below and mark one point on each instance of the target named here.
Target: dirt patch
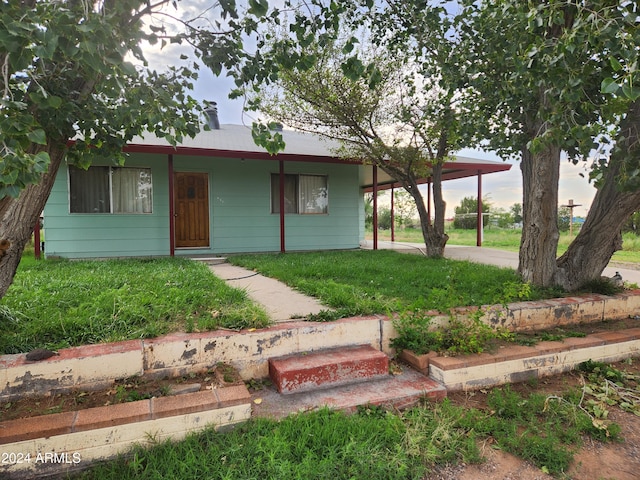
(594, 460)
(560, 333)
(122, 391)
(582, 329)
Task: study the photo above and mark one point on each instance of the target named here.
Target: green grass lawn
(365, 282)
(60, 303)
(508, 239)
(57, 304)
(373, 443)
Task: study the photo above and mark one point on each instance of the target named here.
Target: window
(304, 194)
(110, 190)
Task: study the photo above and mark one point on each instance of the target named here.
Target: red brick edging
(517, 352)
(44, 426)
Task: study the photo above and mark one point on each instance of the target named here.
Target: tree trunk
(539, 242)
(601, 236)
(437, 238)
(433, 234)
(434, 237)
(21, 215)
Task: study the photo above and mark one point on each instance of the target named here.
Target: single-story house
(217, 193)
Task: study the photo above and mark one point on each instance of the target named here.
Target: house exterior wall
(240, 217)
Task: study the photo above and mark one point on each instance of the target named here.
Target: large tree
(385, 93)
(386, 117)
(550, 77)
(613, 32)
(540, 80)
(70, 92)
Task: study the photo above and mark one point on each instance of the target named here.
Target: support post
(571, 206)
(429, 200)
(375, 207)
(393, 219)
(479, 219)
(282, 232)
(172, 208)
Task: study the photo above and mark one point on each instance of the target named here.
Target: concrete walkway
(490, 256)
(281, 302)
(284, 304)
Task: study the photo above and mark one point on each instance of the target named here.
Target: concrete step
(327, 368)
(399, 391)
(211, 260)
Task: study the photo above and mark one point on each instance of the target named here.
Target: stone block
(112, 415)
(35, 427)
(327, 368)
(230, 396)
(162, 407)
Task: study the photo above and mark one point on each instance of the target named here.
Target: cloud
(503, 189)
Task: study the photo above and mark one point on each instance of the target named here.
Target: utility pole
(571, 206)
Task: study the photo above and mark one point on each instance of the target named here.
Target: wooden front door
(191, 209)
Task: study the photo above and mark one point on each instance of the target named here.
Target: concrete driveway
(493, 256)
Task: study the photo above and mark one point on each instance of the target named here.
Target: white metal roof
(238, 138)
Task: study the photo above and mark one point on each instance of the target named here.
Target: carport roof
(461, 167)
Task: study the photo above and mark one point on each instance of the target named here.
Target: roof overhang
(236, 141)
(457, 167)
(241, 154)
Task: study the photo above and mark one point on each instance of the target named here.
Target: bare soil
(593, 461)
(124, 390)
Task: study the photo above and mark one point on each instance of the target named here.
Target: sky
(502, 189)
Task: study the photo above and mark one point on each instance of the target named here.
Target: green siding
(105, 235)
(239, 204)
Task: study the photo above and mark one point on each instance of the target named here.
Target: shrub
(416, 333)
(463, 335)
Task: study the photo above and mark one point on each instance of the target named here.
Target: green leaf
(631, 92)
(615, 64)
(609, 85)
(37, 136)
(54, 101)
(9, 191)
(307, 61)
(375, 78)
(259, 8)
(349, 46)
(263, 137)
(229, 8)
(86, 27)
(42, 161)
(353, 68)
(128, 68)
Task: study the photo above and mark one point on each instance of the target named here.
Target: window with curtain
(131, 190)
(110, 190)
(303, 194)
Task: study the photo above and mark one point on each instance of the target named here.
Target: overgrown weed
(374, 443)
(58, 304)
(365, 282)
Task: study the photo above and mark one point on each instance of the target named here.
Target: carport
(462, 167)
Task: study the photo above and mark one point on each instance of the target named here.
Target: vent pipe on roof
(212, 115)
